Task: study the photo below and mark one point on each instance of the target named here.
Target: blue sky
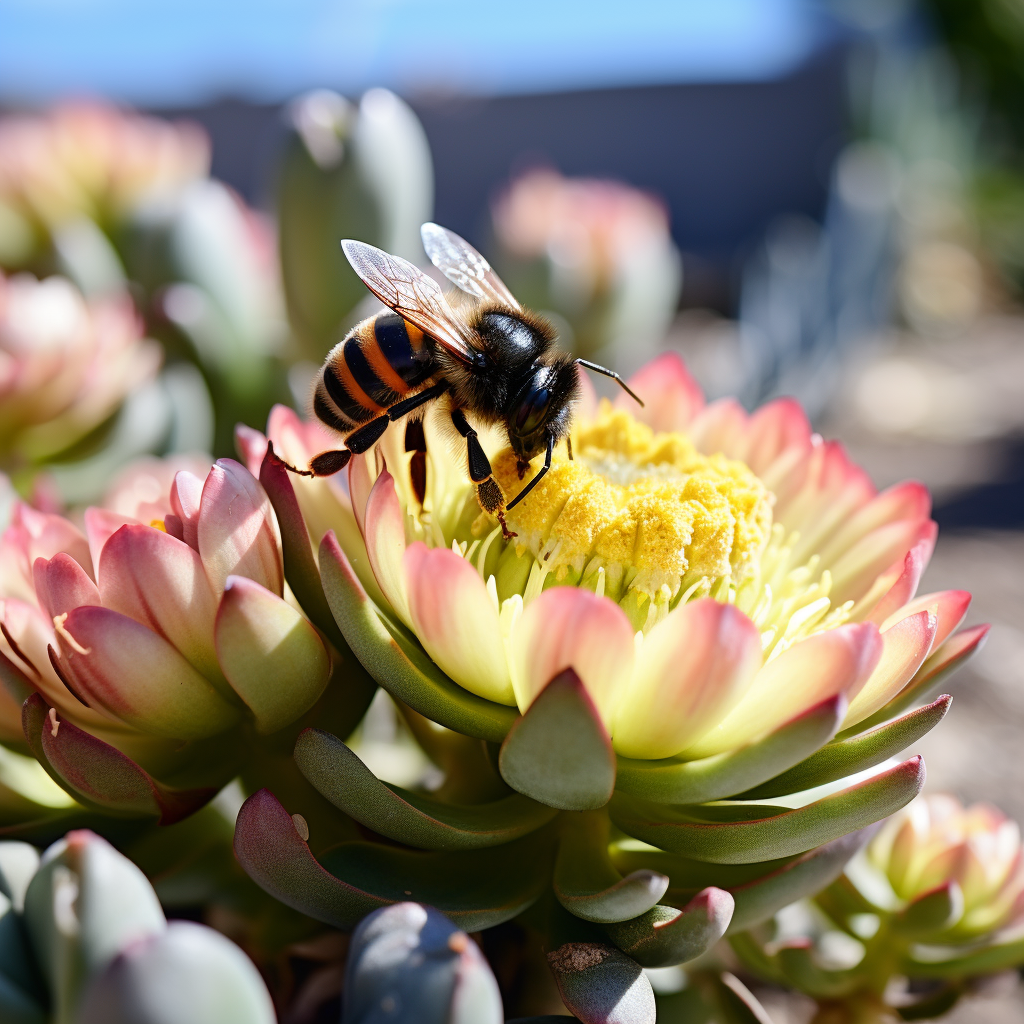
(167, 52)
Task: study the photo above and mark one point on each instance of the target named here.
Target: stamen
(58, 625)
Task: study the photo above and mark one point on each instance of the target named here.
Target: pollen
(646, 509)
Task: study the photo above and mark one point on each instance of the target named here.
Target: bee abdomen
(381, 360)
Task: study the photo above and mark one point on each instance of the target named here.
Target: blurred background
(802, 197)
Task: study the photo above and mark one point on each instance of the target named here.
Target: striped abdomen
(380, 361)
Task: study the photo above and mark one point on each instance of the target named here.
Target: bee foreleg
(488, 490)
(367, 435)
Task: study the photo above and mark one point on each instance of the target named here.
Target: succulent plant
(936, 900)
(151, 658)
(664, 709)
(348, 171)
(83, 941)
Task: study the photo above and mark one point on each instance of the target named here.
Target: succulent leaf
(341, 777)
(734, 1002)
(737, 833)
(932, 911)
(494, 885)
(843, 757)
(398, 664)
(586, 882)
(98, 774)
(186, 972)
(665, 936)
(796, 963)
(414, 964)
(601, 985)
(676, 781)
(559, 752)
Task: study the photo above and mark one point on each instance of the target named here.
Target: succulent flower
(66, 365)
(597, 253)
(936, 900)
(150, 645)
(85, 942)
(700, 605)
(88, 161)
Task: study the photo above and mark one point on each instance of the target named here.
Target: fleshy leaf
(855, 754)
(738, 833)
(559, 752)
(399, 666)
(673, 780)
(341, 777)
(431, 972)
(601, 985)
(733, 1001)
(989, 960)
(932, 911)
(357, 878)
(797, 964)
(586, 882)
(100, 776)
(665, 936)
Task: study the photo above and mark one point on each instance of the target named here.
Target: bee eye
(531, 413)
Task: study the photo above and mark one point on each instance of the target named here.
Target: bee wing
(464, 266)
(410, 293)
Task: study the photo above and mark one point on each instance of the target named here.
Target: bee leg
(488, 491)
(568, 446)
(367, 435)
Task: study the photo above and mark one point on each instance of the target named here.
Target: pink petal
(271, 655)
(905, 645)
(822, 666)
(42, 535)
(948, 606)
(159, 581)
(895, 587)
(252, 446)
(777, 435)
(62, 584)
(360, 483)
(186, 499)
(139, 677)
(854, 572)
(958, 647)
(691, 670)
(295, 439)
(906, 501)
(566, 627)
(456, 621)
(238, 531)
(384, 533)
(100, 525)
(671, 396)
(721, 427)
(831, 488)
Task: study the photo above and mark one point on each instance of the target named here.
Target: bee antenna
(597, 368)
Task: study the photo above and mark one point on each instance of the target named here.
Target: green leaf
(559, 752)
(957, 965)
(742, 833)
(341, 777)
(601, 985)
(676, 781)
(665, 936)
(586, 882)
(932, 911)
(476, 890)
(734, 1002)
(100, 776)
(796, 962)
(401, 668)
(844, 757)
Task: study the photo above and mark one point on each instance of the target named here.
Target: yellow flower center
(646, 510)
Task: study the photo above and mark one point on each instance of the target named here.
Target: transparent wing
(464, 266)
(410, 293)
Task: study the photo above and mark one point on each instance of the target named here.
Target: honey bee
(495, 363)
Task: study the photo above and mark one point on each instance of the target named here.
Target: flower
(708, 573)
(599, 253)
(937, 843)
(66, 364)
(157, 633)
(691, 665)
(93, 160)
(936, 900)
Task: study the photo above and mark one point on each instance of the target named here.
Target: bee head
(542, 406)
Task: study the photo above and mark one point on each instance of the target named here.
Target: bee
(495, 364)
